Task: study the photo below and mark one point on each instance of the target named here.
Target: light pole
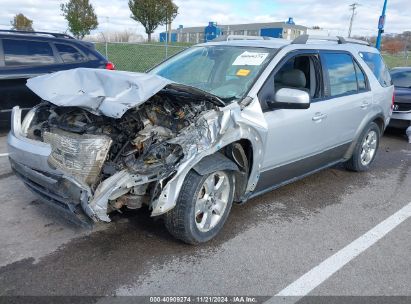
(381, 23)
(353, 8)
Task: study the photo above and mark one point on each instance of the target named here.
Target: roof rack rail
(245, 37)
(240, 37)
(303, 39)
(56, 35)
(353, 41)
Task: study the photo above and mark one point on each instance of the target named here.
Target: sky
(114, 15)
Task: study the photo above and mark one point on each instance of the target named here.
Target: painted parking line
(4, 154)
(313, 278)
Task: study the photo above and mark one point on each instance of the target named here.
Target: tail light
(393, 100)
(110, 66)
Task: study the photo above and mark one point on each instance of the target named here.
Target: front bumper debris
(28, 159)
(55, 190)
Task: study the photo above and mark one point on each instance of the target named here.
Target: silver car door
(349, 95)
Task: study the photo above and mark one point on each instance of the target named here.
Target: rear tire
(202, 207)
(365, 149)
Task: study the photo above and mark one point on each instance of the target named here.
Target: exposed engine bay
(144, 142)
(105, 141)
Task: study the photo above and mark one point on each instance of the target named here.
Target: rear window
(23, 52)
(378, 67)
(401, 78)
(69, 54)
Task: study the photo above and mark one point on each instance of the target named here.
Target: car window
(195, 67)
(378, 67)
(301, 72)
(362, 82)
(341, 73)
(401, 78)
(23, 52)
(225, 71)
(69, 54)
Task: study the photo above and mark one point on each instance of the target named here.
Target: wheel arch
(214, 162)
(242, 153)
(237, 157)
(378, 119)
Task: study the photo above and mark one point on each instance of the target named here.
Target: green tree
(152, 13)
(80, 17)
(21, 23)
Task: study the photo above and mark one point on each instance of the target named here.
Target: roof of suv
(45, 36)
(81, 53)
(308, 41)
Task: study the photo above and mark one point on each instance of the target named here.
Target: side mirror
(290, 99)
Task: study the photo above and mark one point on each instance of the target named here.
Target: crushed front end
(83, 162)
(108, 140)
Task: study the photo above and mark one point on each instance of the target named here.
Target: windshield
(225, 71)
(401, 78)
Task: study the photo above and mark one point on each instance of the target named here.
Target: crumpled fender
(230, 124)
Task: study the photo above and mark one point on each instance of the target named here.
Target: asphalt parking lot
(266, 245)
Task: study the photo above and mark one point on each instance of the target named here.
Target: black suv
(27, 54)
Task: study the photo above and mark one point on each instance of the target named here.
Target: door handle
(319, 117)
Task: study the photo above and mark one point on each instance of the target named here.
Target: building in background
(288, 30)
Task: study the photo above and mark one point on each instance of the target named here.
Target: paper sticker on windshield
(250, 58)
(243, 73)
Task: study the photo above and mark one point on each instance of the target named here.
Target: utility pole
(166, 40)
(106, 35)
(353, 7)
(381, 23)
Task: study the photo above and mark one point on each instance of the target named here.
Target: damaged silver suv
(218, 123)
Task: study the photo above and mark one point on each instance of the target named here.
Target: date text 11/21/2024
(203, 299)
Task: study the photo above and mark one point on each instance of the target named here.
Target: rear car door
(348, 93)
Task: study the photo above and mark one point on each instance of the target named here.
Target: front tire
(365, 149)
(202, 207)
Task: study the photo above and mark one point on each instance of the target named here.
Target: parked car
(221, 122)
(27, 54)
(401, 117)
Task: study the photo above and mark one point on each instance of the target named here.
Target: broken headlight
(81, 156)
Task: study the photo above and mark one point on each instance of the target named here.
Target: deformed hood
(102, 92)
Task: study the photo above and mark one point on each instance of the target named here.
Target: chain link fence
(137, 57)
(402, 59)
